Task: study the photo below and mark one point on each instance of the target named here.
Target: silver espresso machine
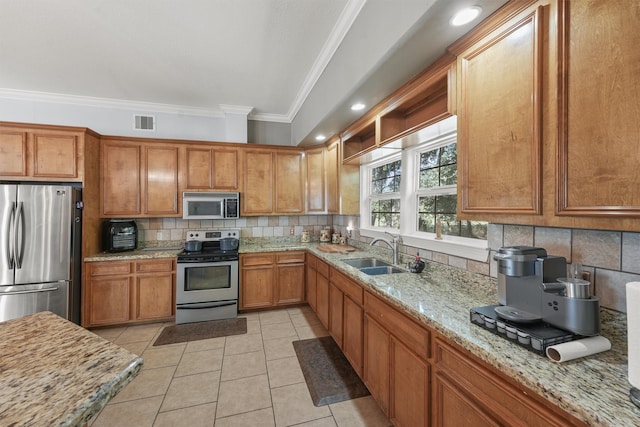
(533, 287)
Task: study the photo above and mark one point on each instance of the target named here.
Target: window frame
(445, 133)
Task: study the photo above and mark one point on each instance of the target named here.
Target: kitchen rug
(201, 331)
(329, 376)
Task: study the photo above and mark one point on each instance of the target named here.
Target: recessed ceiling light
(465, 16)
(320, 137)
(357, 106)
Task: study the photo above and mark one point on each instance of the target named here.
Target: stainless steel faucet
(393, 244)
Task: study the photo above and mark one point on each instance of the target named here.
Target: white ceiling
(292, 61)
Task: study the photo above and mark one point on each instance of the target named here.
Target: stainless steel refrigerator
(40, 250)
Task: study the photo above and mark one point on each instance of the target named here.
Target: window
(437, 199)
(409, 191)
(384, 197)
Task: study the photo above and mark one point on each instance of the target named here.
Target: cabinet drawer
(348, 286)
(110, 268)
(290, 257)
(411, 334)
(164, 264)
(259, 259)
(323, 268)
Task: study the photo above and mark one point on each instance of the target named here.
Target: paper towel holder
(634, 396)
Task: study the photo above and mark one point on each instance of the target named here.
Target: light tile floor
(242, 380)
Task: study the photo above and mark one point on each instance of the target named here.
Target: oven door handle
(204, 305)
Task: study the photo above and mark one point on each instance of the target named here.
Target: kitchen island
(55, 373)
(593, 389)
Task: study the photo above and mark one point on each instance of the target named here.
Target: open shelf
(356, 144)
(419, 109)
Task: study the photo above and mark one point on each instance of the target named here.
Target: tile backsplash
(611, 257)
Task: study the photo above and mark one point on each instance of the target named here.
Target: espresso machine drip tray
(535, 337)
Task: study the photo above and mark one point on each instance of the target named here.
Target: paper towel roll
(633, 332)
(578, 348)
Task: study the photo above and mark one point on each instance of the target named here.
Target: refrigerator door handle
(33, 291)
(18, 249)
(9, 241)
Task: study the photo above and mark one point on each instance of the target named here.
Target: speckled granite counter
(594, 389)
(147, 253)
(55, 373)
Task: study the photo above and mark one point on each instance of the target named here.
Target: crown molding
(88, 101)
(339, 31)
(235, 109)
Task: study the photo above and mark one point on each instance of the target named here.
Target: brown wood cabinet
(499, 118)
(467, 392)
(273, 182)
(41, 153)
(256, 280)
(272, 279)
(322, 292)
(289, 182)
(290, 274)
(139, 179)
(316, 177)
(121, 292)
(598, 112)
(395, 363)
(418, 376)
(311, 287)
(346, 316)
(210, 168)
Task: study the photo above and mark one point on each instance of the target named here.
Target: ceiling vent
(147, 123)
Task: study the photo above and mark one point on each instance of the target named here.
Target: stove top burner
(211, 251)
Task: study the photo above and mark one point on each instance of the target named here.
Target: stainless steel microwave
(210, 205)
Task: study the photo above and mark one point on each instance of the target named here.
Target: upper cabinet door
(161, 180)
(289, 182)
(55, 155)
(315, 180)
(257, 194)
(121, 192)
(13, 152)
(212, 168)
(599, 112)
(499, 119)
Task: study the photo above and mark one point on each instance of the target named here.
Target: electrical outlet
(291, 231)
(586, 275)
(159, 235)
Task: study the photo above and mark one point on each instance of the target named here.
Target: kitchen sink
(372, 266)
(387, 269)
(366, 263)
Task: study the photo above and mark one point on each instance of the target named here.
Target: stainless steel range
(207, 282)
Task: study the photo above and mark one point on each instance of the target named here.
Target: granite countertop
(141, 253)
(594, 389)
(53, 372)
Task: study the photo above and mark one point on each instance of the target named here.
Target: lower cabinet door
(256, 287)
(109, 300)
(322, 302)
(311, 288)
(409, 387)
(377, 347)
(290, 284)
(336, 307)
(452, 407)
(154, 296)
(352, 341)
